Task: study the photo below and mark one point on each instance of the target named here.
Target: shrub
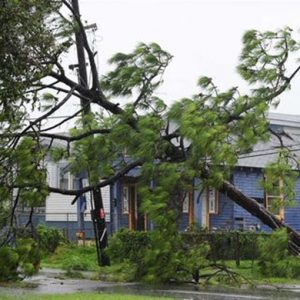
(9, 263)
(19, 261)
(226, 245)
(274, 257)
(196, 259)
(151, 255)
(128, 245)
(162, 261)
(49, 238)
(29, 256)
(156, 256)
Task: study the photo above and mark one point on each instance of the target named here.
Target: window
(212, 199)
(274, 201)
(186, 202)
(66, 180)
(125, 200)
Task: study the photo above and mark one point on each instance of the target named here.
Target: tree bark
(259, 211)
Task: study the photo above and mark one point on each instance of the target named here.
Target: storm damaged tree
(201, 136)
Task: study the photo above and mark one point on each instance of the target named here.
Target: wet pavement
(51, 281)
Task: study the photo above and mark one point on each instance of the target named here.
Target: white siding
(59, 208)
(52, 174)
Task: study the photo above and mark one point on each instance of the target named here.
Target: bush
(274, 257)
(128, 245)
(20, 261)
(150, 255)
(226, 245)
(9, 263)
(163, 261)
(196, 259)
(49, 238)
(156, 256)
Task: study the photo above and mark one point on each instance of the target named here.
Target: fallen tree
(259, 211)
(212, 128)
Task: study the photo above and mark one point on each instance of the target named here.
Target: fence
(233, 245)
(67, 222)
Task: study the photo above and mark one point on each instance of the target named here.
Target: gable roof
(264, 153)
(285, 120)
(288, 127)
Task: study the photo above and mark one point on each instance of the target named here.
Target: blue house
(210, 209)
(214, 210)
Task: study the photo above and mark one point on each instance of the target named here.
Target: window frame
(125, 208)
(186, 203)
(279, 197)
(68, 178)
(215, 199)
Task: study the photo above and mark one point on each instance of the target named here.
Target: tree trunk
(259, 211)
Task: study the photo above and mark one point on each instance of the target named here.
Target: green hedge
(227, 245)
(130, 245)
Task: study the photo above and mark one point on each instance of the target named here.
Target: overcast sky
(204, 37)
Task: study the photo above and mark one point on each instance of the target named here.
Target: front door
(136, 219)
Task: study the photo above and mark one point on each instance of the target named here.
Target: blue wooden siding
(230, 215)
(223, 220)
(292, 214)
(233, 216)
(248, 181)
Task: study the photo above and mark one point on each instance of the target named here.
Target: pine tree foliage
(200, 136)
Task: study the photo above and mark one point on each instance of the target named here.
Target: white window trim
(186, 203)
(125, 208)
(279, 197)
(215, 209)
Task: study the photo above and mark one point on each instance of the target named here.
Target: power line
(264, 154)
(53, 117)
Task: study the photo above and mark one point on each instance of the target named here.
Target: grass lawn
(251, 271)
(80, 296)
(84, 258)
(70, 256)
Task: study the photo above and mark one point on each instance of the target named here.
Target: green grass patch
(18, 284)
(81, 296)
(73, 257)
(250, 270)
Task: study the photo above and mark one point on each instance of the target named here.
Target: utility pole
(82, 74)
(97, 213)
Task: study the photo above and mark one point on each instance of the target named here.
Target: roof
(285, 120)
(288, 126)
(264, 153)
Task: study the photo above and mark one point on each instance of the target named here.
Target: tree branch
(51, 111)
(70, 139)
(103, 183)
